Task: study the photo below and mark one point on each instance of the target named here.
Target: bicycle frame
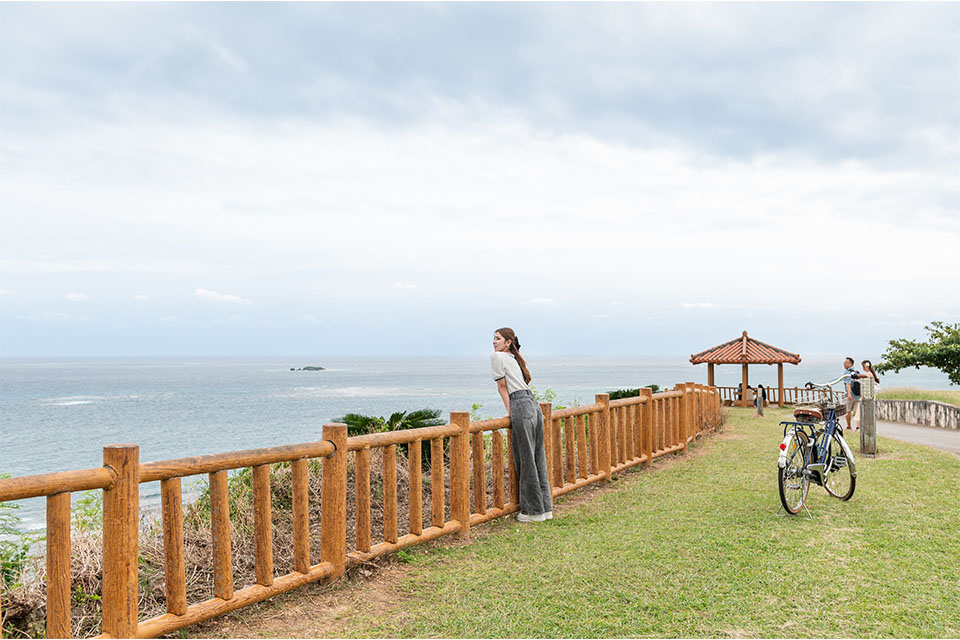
(820, 441)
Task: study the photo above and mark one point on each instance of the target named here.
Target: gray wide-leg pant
(529, 457)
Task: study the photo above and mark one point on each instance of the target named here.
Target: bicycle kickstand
(781, 512)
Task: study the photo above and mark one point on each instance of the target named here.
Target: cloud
(220, 297)
(5, 292)
(74, 296)
(676, 130)
(306, 318)
(140, 298)
(171, 320)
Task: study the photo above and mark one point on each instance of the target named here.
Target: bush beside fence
(585, 444)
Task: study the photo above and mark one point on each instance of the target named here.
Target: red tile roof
(745, 350)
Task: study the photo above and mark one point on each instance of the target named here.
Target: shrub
(631, 393)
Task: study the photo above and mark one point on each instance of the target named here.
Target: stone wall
(923, 412)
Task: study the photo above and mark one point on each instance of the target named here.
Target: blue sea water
(58, 415)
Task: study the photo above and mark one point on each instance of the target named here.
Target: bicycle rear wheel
(791, 481)
(839, 480)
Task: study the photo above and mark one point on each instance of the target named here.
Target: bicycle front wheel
(839, 480)
(792, 482)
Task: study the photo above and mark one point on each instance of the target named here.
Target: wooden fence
(584, 444)
(791, 395)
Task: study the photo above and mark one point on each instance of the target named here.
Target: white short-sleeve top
(504, 365)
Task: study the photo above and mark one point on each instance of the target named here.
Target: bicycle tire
(839, 480)
(791, 481)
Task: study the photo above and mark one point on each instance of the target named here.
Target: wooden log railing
(791, 395)
(584, 444)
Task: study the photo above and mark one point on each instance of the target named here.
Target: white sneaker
(548, 515)
(540, 517)
(522, 517)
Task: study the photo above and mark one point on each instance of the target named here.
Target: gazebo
(746, 351)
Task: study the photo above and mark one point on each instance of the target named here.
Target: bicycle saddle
(808, 414)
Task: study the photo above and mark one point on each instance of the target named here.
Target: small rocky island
(308, 369)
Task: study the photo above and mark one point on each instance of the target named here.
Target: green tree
(941, 351)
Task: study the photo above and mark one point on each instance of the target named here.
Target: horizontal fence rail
(457, 476)
(791, 395)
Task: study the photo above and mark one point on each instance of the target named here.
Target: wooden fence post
(692, 427)
(58, 565)
(546, 408)
(603, 436)
(699, 405)
(460, 472)
(299, 475)
(121, 516)
(333, 500)
(648, 423)
(714, 412)
(221, 535)
(262, 525)
(175, 585)
(684, 414)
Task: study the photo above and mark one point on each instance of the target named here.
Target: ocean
(58, 414)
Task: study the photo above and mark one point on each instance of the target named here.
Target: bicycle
(813, 453)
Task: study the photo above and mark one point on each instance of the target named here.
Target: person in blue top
(509, 369)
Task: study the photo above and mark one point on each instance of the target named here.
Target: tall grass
(948, 396)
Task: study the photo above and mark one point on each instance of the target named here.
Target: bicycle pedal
(816, 467)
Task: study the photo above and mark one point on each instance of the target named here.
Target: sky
(403, 178)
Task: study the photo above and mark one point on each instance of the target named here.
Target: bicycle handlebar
(828, 385)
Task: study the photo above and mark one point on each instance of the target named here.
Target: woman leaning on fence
(526, 425)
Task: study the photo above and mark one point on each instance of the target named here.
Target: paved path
(946, 439)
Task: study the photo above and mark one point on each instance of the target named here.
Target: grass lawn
(911, 393)
(696, 549)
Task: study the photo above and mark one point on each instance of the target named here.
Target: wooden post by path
(868, 418)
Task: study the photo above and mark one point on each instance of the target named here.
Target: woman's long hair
(866, 364)
(509, 334)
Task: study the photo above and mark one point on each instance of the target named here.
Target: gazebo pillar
(743, 391)
(780, 383)
(710, 374)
